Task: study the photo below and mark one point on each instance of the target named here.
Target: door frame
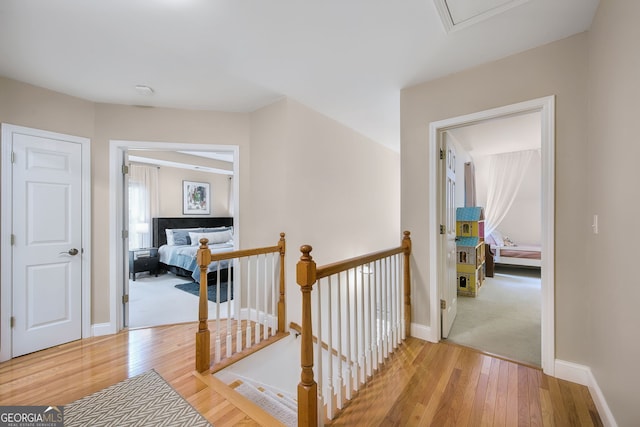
(546, 107)
(117, 150)
(6, 288)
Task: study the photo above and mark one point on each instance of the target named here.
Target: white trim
(422, 332)
(546, 106)
(6, 228)
(117, 148)
(582, 375)
(100, 329)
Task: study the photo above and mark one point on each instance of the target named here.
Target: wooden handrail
(307, 274)
(204, 257)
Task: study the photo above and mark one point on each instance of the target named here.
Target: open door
(449, 297)
(125, 236)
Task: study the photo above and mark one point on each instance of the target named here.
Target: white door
(47, 246)
(450, 288)
(125, 254)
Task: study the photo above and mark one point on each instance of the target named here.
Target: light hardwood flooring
(421, 384)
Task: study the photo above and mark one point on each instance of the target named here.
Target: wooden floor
(425, 384)
(422, 384)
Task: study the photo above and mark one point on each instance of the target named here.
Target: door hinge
(443, 229)
(13, 157)
(441, 154)
(13, 321)
(125, 169)
(443, 304)
(125, 299)
(13, 239)
(125, 234)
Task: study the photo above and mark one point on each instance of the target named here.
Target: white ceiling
(502, 135)
(347, 59)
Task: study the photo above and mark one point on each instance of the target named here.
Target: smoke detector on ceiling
(144, 90)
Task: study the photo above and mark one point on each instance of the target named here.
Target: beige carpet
(504, 319)
(143, 400)
(155, 301)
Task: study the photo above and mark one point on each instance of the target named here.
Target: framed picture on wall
(196, 198)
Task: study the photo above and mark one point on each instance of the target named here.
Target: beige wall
(555, 69)
(311, 177)
(613, 287)
(323, 184)
(25, 105)
(116, 122)
(170, 184)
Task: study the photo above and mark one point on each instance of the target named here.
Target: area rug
(143, 400)
(194, 288)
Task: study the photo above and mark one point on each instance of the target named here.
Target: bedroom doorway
(118, 247)
(545, 107)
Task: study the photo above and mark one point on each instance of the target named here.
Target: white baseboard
(582, 374)
(100, 329)
(422, 332)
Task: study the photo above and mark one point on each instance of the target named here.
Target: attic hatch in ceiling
(456, 14)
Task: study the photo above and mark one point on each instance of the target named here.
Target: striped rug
(143, 400)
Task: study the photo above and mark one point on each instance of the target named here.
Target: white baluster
(265, 317)
(248, 333)
(329, 398)
(237, 293)
(257, 333)
(398, 298)
(387, 346)
(356, 332)
(385, 336)
(340, 385)
(275, 292)
(229, 287)
(349, 376)
(374, 320)
(370, 321)
(363, 330)
(218, 343)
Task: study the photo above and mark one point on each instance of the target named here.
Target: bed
(505, 252)
(177, 242)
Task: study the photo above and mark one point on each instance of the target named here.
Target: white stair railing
(362, 310)
(256, 278)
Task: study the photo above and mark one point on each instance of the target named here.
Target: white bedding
(184, 256)
(525, 255)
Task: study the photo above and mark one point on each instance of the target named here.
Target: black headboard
(161, 224)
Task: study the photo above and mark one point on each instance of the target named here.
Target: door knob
(72, 252)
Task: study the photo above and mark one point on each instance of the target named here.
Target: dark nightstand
(145, 259)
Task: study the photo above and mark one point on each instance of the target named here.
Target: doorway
(45, 290)
(501, 158)
(118, 248)
(545, 106)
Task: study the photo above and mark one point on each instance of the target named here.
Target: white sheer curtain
(143, 204)
(506, 172)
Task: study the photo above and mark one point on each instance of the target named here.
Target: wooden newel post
(203, 336)
(307, 388)
(281, 301)
(406, 245)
